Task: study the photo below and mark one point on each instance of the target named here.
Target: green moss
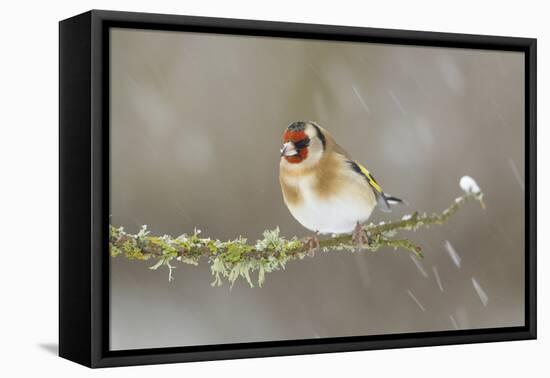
(234, 259)
(236, 250)
(115, 251)
(129, 250)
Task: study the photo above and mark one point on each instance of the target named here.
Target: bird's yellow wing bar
(381, 197)
(365, 172)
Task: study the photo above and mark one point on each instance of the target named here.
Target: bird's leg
(359, 236)
(312, 243)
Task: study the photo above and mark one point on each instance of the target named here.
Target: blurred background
(196, 125)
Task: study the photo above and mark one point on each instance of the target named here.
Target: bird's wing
(378, 192)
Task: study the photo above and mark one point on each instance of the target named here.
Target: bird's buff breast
(336, 213)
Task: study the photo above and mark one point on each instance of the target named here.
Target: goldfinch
(323, 187)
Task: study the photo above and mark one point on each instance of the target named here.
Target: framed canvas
(234, 188)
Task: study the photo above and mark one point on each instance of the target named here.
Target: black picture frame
(84, 187)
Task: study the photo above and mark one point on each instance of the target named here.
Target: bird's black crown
(297, 126)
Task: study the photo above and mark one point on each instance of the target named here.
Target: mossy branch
(237, 258)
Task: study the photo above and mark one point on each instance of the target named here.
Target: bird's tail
(393, 200)
(386, 201)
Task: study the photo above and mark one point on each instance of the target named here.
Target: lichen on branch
(238, 258)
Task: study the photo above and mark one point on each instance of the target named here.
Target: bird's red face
(296, 143)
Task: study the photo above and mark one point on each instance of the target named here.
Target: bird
(325, 190)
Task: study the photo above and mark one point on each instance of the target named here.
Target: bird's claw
(312, 243)
(359, 236)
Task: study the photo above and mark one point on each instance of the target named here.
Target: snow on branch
(238, 258)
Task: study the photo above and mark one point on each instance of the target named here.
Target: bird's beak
(288, 149)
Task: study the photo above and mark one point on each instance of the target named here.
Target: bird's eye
(302, 143)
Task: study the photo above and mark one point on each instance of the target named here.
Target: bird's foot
(312, 243)
(359, 236)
